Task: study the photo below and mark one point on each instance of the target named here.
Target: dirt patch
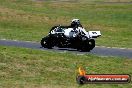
(117, 2)
(58, 69)
(57, 0)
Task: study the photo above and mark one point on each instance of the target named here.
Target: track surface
(103, 51)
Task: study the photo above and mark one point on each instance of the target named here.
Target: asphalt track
(102, 51)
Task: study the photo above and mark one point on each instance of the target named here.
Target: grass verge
(31, 20)
(27, 68)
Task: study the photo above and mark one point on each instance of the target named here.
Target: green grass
(27, 68)
(30, 20)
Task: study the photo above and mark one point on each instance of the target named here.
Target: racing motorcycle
(73, 36)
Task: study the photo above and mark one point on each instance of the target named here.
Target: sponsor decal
(83, 78)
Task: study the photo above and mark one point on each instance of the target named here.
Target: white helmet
(75, 22)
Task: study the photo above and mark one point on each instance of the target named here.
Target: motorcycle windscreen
(94, 34)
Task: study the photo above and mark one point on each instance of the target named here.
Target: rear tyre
(46, 42)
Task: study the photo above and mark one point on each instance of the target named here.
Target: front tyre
(87, 45)
(84, 46)
(91, 44)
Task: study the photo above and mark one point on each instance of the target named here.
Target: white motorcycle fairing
(90, 34)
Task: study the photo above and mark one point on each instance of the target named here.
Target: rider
(77, 27)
